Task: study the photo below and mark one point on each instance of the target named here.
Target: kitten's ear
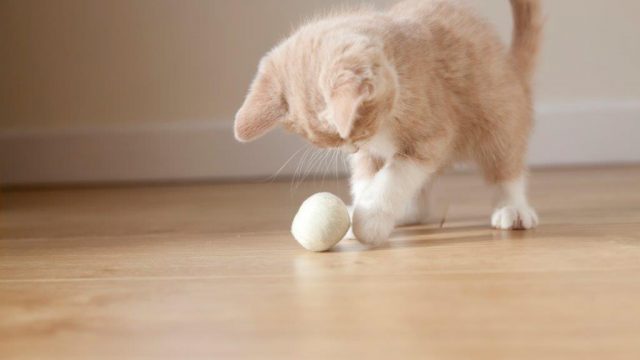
(348, 93)
(262, 109)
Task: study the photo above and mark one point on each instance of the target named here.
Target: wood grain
(210, 271)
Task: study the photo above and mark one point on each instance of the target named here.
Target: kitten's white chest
(381, 145)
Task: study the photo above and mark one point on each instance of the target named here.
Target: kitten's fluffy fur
(409, 91)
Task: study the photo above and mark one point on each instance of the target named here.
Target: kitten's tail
(527, 36)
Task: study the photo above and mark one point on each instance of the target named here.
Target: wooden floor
(211, 272)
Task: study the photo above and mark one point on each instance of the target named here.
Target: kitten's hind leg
(513, 211)
(503, 161)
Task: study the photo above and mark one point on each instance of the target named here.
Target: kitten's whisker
(301, 162)
(307, 166)
(332, 164)
(318, 167)
(312, 159)
(325, 165)
(345, 163)
(335, 162)
(295, 173)
(274, 176)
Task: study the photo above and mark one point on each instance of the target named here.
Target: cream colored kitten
(409, 91)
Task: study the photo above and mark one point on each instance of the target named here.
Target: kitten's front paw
(371, 226)
(413, 216)
(514, 218)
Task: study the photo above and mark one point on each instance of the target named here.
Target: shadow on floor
(430, 235)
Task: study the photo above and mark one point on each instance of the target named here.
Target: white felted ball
(322, 221)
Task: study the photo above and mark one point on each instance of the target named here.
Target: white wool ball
(322, 221)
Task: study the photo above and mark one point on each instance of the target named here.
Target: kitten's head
(326, 83)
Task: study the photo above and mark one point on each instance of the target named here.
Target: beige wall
(92, 63)
(591, 50)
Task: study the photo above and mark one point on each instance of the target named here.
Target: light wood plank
(210, 271)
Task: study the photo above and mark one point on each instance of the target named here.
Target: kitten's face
(330, 87)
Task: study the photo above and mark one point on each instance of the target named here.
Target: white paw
(371, 226)
(514, 218)
(413, 216)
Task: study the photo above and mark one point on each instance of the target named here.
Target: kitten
(408, 91)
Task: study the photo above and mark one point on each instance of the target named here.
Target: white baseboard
(586, 133)
(582, 133)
